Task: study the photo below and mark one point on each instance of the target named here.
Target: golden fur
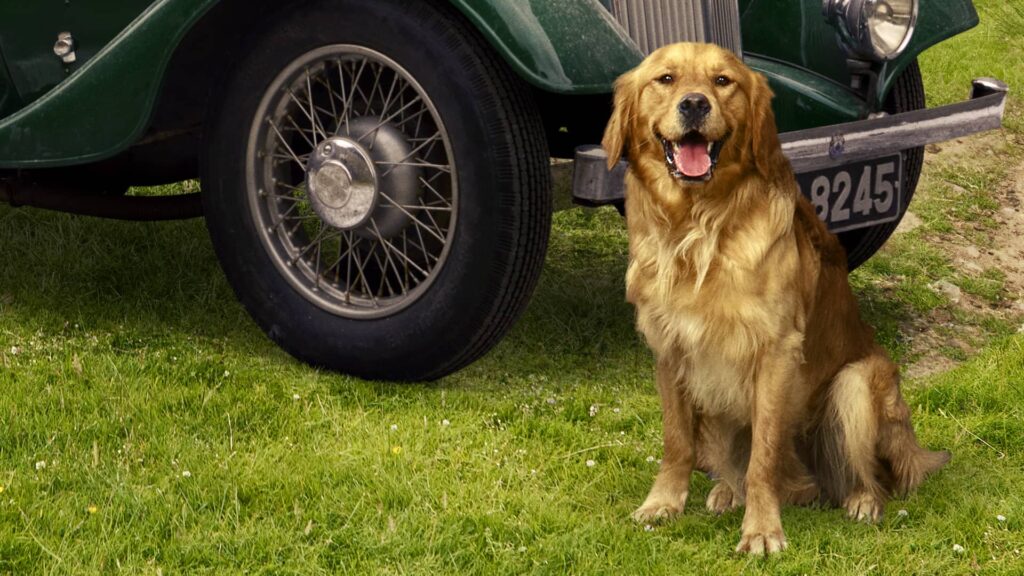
(769, 380)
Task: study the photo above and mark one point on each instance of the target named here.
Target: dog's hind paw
(864, 507)
(722, 499)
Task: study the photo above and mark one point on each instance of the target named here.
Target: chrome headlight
(874, 29)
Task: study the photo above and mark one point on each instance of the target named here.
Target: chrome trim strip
(829, 146)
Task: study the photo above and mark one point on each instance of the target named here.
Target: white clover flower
(650, 459)
(186, 474)
(445, 422)
(958, 549)
(1000, 518)
(296, 397)
(394, 427)
(593, 410)
(616, 410)
(648, 528)
(591, 463)
(903, 513)
(41, 465)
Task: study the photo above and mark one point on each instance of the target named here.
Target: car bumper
(826, 147)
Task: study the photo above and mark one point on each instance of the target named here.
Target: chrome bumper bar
(829, 146)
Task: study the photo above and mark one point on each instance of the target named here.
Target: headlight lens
(875, 29)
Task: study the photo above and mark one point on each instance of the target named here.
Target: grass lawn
(148, 427)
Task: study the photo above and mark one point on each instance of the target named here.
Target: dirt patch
(937, 340)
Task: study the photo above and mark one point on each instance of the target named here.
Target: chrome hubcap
(342, 183)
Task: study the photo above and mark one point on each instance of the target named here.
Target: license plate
(855, 195)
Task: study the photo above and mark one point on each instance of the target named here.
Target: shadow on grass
(887, 314)
(60, 270)
(142, 283)
(578, 321)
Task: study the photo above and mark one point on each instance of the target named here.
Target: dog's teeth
(710, 144)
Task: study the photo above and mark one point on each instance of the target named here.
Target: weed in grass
(990, 285)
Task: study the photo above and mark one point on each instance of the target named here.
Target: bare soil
(934, 336)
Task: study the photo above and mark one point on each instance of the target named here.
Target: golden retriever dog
(769, 379)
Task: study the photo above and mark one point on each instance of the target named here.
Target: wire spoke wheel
(352, 181)
(376, 186)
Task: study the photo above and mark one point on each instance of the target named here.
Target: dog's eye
(723, 81)
(665, 79)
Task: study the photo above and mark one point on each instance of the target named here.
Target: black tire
(907, 94)
(498, 166)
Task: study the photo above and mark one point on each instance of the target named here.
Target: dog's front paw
(660, 507)
(761, 543)
(722, 499)
(864, 507)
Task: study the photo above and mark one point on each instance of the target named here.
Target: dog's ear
(764, 134)
(616, 133)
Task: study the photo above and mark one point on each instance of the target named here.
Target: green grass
(148, 427)
(994, 48)
(129, 371)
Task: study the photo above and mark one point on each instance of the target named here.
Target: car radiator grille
(654, 23)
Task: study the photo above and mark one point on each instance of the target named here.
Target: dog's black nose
(694, 107)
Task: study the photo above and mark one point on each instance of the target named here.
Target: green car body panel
(52, 114)
(103, 106)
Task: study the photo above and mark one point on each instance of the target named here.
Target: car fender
(543, 43)
(61, 128)
(937, 20)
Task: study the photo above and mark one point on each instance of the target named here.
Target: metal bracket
(65, 48)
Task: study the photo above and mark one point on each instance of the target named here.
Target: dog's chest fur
(705, 307)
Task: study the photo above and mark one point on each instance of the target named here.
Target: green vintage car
(375, 174)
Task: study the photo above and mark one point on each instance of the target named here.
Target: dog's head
(699, 109)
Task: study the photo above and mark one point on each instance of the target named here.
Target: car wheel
(907, 94)
(376, 187)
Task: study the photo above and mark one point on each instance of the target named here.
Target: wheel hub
(342, 183)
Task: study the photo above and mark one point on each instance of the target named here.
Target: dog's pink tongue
(692, 159)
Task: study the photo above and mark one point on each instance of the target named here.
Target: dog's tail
(909, 463)
(866, 441)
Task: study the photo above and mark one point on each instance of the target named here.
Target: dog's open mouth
(692, 158)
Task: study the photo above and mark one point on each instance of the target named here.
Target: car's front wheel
(376, 188)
